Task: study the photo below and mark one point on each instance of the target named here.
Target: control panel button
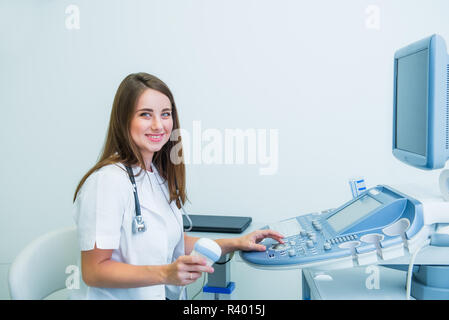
(309, 244)
(327, 246)
(291, 252)
(279, 246)
(311, 234)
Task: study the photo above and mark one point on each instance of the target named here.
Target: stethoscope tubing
(137, 202)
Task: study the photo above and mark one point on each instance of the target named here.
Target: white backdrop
(318, 72)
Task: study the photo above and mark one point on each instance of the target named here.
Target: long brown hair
(120, 147)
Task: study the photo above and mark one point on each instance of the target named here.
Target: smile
(154, 137)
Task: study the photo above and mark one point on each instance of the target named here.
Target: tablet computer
(213, 223)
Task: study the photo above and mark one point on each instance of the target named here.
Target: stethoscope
(138, 222)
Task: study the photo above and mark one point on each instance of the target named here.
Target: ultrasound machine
(384, 223)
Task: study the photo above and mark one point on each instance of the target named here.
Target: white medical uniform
(104, 211)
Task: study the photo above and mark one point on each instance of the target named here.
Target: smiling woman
(149, 108)
(152, 123)
(137, 248)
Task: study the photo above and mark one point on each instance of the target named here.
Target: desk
(354, 283)
(360, 283)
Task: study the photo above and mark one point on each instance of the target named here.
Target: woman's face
(152, 123)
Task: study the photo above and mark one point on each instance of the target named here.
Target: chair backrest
(40, 268)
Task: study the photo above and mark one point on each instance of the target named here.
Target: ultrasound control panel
(377, 225)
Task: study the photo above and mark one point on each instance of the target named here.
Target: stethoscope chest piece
(139, 225)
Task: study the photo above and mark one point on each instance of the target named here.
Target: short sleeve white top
(104, 211)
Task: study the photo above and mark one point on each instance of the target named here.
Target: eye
(166, 114)
(145, 114)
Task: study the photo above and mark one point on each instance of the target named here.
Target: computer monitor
(421, 116)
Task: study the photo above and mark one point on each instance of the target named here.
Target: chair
(40, 268)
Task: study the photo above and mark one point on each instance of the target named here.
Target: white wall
(314, 70)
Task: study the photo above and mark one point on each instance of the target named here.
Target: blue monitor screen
(411, 103)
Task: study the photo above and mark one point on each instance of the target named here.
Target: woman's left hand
(250, 242)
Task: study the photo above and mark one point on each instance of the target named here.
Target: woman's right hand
(186, 270)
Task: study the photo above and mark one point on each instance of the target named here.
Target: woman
(117, 262)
